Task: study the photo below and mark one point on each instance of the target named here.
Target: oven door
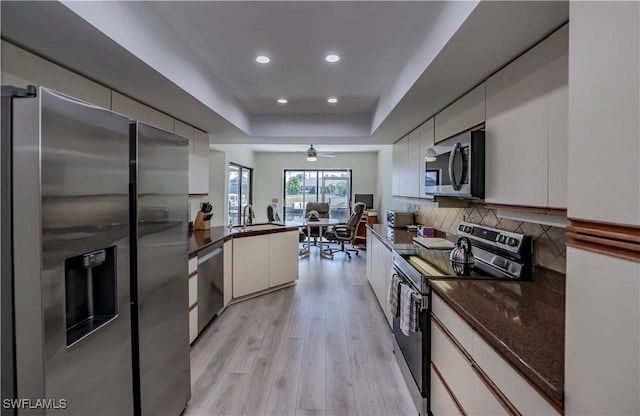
(414, 352)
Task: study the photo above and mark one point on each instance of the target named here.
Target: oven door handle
(422, 302)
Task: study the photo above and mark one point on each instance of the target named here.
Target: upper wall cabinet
(466, 112)
(408, 161)
(399, 160)
(199, 181)
(198, 157)
(604, 173)
(526, 127)
(20, 68)
(426, 141)
(138, 111)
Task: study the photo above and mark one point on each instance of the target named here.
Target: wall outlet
(274, 200)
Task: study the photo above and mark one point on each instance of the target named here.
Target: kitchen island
(249, 261)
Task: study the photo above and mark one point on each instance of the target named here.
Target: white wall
(269, 170)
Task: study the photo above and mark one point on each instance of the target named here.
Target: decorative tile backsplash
(549, 242)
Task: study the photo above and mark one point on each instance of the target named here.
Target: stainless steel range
(497, 254)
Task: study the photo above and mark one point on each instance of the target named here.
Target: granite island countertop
(201, 239)
(523, 321)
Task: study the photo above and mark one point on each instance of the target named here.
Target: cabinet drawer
(193, 323)
(453, 322)
(519, 392)
(441, 401)
(193, 289)
(471, 392)
(193, 264)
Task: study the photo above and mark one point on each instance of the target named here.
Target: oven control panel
(498, 238)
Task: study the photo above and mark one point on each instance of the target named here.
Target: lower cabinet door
(283, 261)
(471, 392)
(193, 323)
(250, 265)
(441, 401)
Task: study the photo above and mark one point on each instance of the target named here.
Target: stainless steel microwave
(455, 167)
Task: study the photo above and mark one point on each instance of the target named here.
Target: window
(240, 185)
(302, 186)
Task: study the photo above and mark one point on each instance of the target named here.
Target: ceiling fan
(312, 154)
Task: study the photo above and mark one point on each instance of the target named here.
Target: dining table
(320, 224)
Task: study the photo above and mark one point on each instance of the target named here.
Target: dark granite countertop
(402, 239)
(201, 239)
(523, 321)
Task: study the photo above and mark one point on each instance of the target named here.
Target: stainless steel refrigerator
(94, 239)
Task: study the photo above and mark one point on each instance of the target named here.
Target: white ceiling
(401, 61)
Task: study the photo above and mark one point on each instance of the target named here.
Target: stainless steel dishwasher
(210, 283)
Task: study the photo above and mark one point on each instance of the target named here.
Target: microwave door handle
(452, 174)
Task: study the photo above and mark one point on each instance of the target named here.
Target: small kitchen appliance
(399, 219)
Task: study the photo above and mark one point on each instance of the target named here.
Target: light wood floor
(321, 347)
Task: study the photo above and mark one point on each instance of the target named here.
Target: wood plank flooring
(321, 347)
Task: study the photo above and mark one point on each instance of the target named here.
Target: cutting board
(434, 243)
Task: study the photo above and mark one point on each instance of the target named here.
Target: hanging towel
(394, 285)
(406, 301)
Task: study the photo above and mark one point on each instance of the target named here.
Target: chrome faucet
(247, 219)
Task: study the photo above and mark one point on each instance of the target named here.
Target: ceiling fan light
(311, 154)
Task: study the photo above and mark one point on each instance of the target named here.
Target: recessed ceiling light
(332, 58)
(332, 100)
(282, 100)
(262, 59)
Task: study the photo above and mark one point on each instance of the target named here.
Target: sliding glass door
(302, 186)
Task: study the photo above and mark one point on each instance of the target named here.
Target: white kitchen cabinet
(526, 120)
(138, 111)
(517, 389)
(228, 272)
(453, 322)
(409, 184)
(199, 181)
(604, 103)
(399, 164)
(20, 68)
(426, 133)
(198, 157)
(602, 336)
(473, 395)
(466, 112)
(441, 401)
(479, 354)
(250, 265)
(283, 264)
(193, 289)
(128, 107)
(558, 116)
(193, 323)
(159, 119)
(381, 261)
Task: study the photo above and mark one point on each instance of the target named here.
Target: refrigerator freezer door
(162, 304)
(71, 175)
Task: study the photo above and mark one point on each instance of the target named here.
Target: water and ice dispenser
(90, 292)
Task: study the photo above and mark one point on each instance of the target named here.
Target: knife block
(200, 223)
